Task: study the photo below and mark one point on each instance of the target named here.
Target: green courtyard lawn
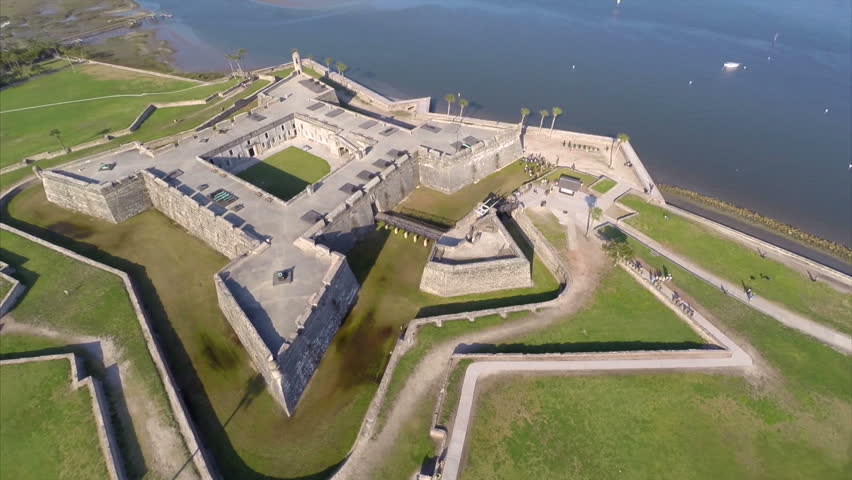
(742, 265)
(283, 73)
(286, 173)
(794, 421)
(546, 222)
(47, 430)
(604, 185)
(448, 209)
(245, 430)
(27, 132)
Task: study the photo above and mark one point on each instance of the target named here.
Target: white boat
(731, 65)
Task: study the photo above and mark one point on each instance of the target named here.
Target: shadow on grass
(582, 347)
(212, 431)
(474, 305)
(110, 378)
(274, 180)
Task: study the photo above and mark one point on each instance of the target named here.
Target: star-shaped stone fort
(287, 288)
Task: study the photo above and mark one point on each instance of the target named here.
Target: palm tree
(230, 57)
(524, 112)
(450, 98)
(341, 67)
(617, 141)
(595, 214)
(327, 62)
(241, 53)
(544, 114)
(462, 103)
(58, 135)
(556, 112)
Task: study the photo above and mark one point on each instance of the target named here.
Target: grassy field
(546, 222)
(604, 185)
(795, 421)
(27, 132)
(742, 265)
(453, 207)
(685, 426)
(286, 173)
(240, 422)
(4, 288)
(46, 429)
(622, 315)
(96, 305)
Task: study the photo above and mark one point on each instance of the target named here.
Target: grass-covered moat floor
(245, 430)
(47, 430)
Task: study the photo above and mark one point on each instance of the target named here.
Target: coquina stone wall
(354, 218)
(448, 173)
(112, 201)
(327, 308)
(200, 221)
(486, 276)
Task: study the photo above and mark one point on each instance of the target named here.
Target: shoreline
(786, 236)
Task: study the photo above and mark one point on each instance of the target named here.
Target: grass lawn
(546, 222)
(740, 264)
(685, 426)
(283, 73)
(622, 315)
(604, 185)
(794, 422)
(451, 208)
(47, 430)
(96, 305)
(584, 177)
(4, 288)
(240, 422)
(286, 173)
(26, 132)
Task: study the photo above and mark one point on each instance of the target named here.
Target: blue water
(758, 137)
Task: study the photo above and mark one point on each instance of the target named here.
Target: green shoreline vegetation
(749, 216)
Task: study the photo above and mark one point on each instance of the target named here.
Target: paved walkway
(831, 337)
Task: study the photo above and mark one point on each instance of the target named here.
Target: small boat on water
(731, 65)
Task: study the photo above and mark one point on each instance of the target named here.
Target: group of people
(685, 307)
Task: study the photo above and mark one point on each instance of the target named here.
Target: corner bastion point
(286, 326)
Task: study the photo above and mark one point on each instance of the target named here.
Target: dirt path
(586, 263)
(153, 443)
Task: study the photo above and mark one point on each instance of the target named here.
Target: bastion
(478, 255)
(288, 286)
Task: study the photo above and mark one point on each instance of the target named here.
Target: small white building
(569, 185)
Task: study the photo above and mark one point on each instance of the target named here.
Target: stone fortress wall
(503, 270)
(288, 370)
(448, 173)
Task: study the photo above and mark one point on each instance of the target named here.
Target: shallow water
(759, 137)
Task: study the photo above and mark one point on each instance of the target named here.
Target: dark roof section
(316, 106)
(571, 183)
(367, 124)
(334, 112)
(431, 128)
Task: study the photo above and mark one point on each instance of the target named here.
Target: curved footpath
(829, 336)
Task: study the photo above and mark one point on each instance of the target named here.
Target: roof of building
(570, 183)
